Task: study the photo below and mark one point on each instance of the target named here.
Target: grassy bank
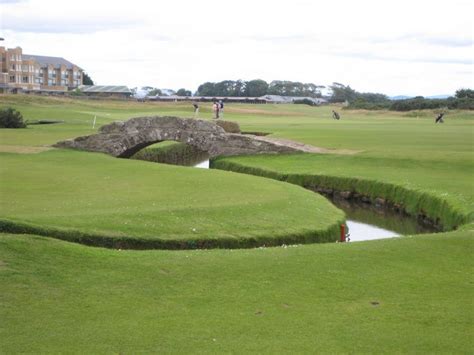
(99, 200)
(414, 192)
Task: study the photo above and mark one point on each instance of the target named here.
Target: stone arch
(123, 139)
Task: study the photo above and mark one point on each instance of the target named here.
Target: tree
(342, 93)
(294, 88)
(154, 92)
(255, 88)
(183, 92)
(465, 93)
(11, 118)
(206, 89)
(86, 80)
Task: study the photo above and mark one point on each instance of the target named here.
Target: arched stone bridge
(123, 139)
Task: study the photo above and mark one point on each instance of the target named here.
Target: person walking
(196, 109)
(439, 119)
(221, 108)
(215, 108)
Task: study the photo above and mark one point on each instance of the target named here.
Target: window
(12, 78)
(24, 79)
(13, 67)
(50, 82)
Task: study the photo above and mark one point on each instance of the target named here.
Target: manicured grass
(131, 201)
(441, 189)
(406, 295)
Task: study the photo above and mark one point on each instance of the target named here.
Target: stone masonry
(123, 139)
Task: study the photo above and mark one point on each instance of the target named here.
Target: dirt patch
(306, 147)
(22, 149)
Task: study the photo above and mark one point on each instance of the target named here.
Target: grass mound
(99, 200)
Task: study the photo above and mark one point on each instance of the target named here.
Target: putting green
(99, 200)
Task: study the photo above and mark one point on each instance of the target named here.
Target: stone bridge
(123, 139)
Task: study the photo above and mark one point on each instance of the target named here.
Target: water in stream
(364, 222)
(367, 222)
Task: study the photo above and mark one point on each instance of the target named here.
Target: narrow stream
(367, 222)
(364, 221)
(203, 164)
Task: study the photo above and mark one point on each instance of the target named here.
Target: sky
(408, 47)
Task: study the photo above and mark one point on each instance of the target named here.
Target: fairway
(408, 294)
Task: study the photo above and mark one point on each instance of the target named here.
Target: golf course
(106, 255)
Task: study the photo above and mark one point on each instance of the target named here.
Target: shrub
(420, 103)
(305, 102)
(11, 118)
(76, 92)
(363, 104)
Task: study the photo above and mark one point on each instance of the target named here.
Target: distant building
(266, 99)
(105, 90)
(36, 73)
(277, 99)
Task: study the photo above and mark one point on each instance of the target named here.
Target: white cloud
(408, 47)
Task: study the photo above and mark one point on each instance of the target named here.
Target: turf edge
(413, 202)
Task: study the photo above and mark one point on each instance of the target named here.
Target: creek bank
(329, 234)
(429, 209)
(379, 204)
(180, 154)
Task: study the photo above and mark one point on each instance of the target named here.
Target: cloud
(59, 26)
(394, 47)
(408, 59)
(12, 1)
(449, 42)
(35, 16)
(291, 38)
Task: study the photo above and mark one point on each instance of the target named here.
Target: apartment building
(36, 73)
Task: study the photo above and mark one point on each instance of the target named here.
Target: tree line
(463, 99)
(258, 87)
